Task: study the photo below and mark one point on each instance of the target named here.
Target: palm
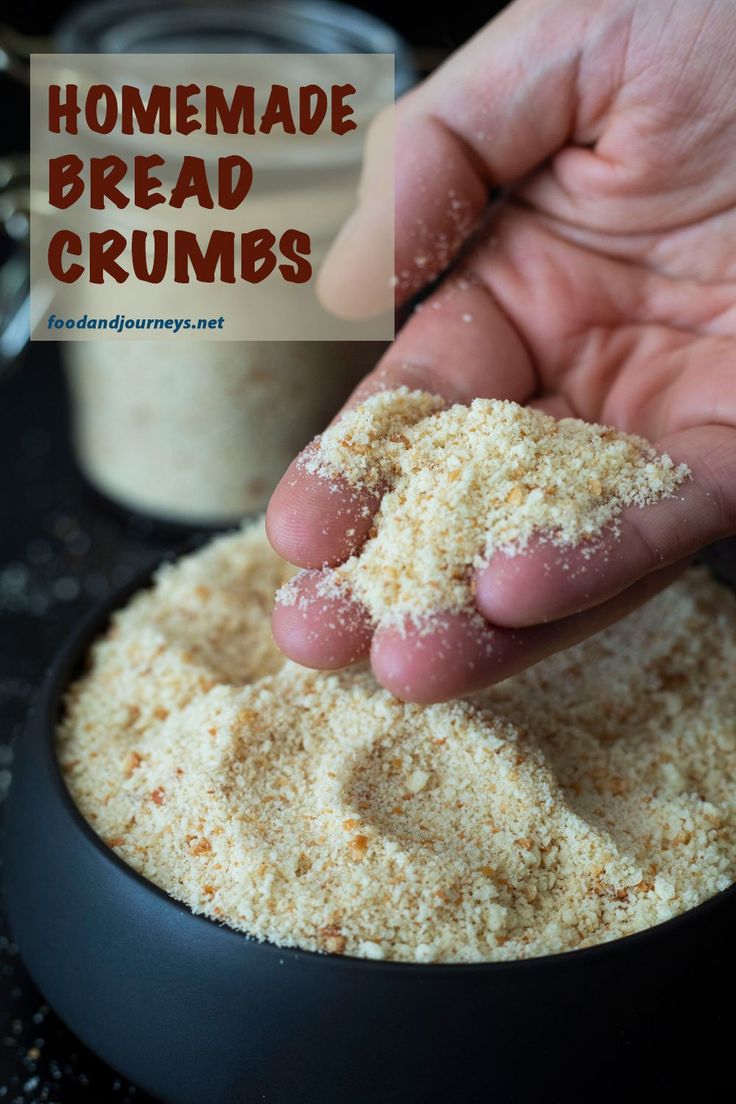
(608, 336)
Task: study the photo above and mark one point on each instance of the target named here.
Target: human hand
(604, 287)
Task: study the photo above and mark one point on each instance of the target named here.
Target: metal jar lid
(231, 26)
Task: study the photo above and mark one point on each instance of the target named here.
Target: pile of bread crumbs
(587, 798)
(463, 482)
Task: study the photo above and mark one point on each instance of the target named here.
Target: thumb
(497, 109)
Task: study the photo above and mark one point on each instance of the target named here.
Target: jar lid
(230, 26)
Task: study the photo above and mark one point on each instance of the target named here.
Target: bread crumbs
(475, 479)
(586, 798)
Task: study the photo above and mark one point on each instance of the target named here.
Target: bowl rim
(45, 713)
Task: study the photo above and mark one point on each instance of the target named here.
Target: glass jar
(202, 431)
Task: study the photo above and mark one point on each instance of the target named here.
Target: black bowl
(197, 1013)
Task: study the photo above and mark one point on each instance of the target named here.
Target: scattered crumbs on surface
(45, 1064)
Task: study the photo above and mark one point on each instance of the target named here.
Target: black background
(61, 549)
(439, 28)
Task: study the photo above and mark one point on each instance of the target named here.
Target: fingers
(536, 603)
(313, 522)
(456, 655)
(318, 631)
(546, 583)
(488, 116)
(461, 655)
(429, 229)
(459, 346)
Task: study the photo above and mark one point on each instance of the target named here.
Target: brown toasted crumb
(158, 797)
(303, 865)
(350, 824)
(201, 847)
(358, 846)
(160, 713)
(134, 712)
(132, 763)
(333, 941)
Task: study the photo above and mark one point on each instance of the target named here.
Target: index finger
(495, 111)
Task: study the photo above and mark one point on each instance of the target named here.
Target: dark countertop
(61, 549)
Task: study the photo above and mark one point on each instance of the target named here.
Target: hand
(604, 287)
